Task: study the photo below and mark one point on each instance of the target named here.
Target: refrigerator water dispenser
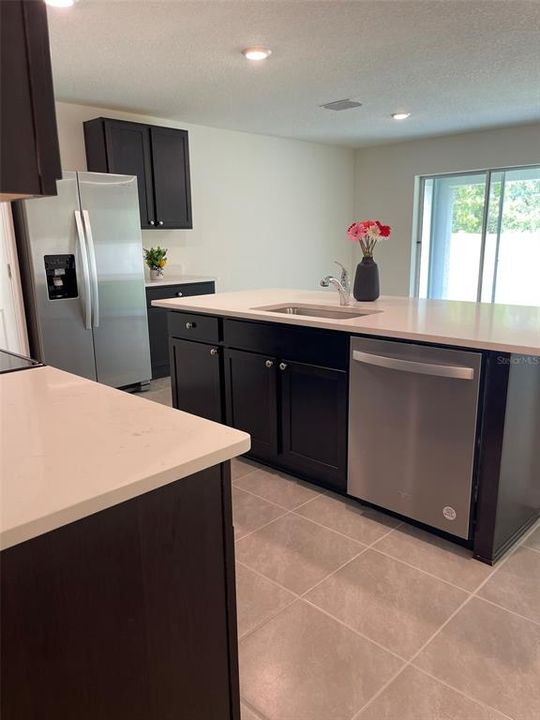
(61, 276)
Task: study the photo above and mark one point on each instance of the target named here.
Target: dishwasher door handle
(412, 366)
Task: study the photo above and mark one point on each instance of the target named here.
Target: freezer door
(412, 430)
(55, 267)
(110, 209)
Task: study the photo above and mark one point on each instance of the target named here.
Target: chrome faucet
(343, 285)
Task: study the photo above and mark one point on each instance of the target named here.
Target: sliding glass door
(479, 238)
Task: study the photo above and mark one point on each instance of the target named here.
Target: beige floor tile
(415, 696)
(348, 517)
(278, 488)
(251, 512)
(247, 714)
(303, 665)
(491, 655)
(533, 540)
(240, 467)
(439, 557)
(387, 601)
(257, 599)
(295, 552)
(163, 397)
(516, 586)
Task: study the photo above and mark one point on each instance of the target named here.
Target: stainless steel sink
(322, 311)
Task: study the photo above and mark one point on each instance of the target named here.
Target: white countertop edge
(190, 305)
(40, 526)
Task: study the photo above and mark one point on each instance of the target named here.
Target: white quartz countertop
(70, 447)
(503, 328)
(178, 280)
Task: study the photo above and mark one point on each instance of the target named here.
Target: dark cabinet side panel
(159, 342)
(170, 157)
(251, 399)
(128, 614)
(314, 422)
(29, 152)
(197, 378)
(72, 615)
(182, 530)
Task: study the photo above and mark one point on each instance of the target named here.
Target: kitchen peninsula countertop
(482, 326)
(71, 447)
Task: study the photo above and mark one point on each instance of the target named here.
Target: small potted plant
(367, 233)
(156, 259)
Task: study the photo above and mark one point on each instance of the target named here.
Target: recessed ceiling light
(60, 3)
(256, 53)
(401, 116)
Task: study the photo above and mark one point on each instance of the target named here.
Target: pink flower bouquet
(368, 233)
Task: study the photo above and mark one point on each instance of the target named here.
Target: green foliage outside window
(521, 207)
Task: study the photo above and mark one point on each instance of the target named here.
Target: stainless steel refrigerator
(83, 278)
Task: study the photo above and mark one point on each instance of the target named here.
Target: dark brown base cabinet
(128, 614)
(287, 386)
(157, 321)
(291, 397)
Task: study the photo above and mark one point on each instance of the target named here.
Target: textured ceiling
(456, 65)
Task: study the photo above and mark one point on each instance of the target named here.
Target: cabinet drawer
(310, 345)
(193, 327)
(172, 291)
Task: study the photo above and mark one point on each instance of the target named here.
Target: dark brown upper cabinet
(158, 156)
(29, 152)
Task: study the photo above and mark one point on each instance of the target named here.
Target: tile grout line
(302, 597)
(252, 532)
(259, 497)
(356, 716)
(274, 582)
(250, 706)
(298, 596)
(460, 692)
(355, 631)
(512, 612)
(424, 572)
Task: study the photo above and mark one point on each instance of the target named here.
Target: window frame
(418, 214)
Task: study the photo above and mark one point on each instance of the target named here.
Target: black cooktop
(10, 362)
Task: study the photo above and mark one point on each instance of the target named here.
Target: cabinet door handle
(282, 366)
(179, 294)
(213, 351)
(160, 222)
(269, 363)
(151, 222)
(190, 325)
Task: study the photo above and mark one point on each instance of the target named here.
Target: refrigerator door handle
(86, 273)
(93, 266)
(450, 371)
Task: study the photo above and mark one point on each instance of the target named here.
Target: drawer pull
(269, 364)
(179, 294)
(282, 366)
(213, 351)
(190, 325)
(152, 222)
(160, 222)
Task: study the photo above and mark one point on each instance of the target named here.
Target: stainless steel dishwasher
(412, 430)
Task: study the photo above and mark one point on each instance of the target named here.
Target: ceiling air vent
(341, 105)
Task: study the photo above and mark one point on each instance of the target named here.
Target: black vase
(366, 280)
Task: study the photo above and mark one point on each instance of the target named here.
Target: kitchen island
(117, 563)
(280, 364)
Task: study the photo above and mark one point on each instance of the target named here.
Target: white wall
(267, 212)
(385, 183)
